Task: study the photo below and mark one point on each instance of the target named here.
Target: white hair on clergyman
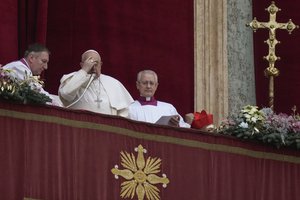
(147, 71)
(87, 51)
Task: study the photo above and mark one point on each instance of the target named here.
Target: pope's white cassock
(104, 94)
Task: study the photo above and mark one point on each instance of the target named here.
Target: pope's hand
(88, 65)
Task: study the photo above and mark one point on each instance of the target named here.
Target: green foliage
(25, 91)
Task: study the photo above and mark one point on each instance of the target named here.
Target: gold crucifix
(272, 25)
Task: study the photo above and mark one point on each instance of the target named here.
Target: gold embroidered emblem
(140, 175)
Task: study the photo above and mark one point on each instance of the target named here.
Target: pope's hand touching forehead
(91, 62)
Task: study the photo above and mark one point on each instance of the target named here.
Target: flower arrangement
(264, 125)
(22, 91)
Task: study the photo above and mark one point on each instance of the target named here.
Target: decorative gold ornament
(140, 175)
(272, 25)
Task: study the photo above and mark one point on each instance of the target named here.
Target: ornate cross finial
(272, 25)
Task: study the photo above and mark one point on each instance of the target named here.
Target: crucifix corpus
(272, 25)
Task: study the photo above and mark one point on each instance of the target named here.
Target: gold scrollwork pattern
(271, 71)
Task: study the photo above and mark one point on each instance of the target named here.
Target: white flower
(243, 125)
(247, 116)
(254, 119)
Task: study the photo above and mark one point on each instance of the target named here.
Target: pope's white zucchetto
(90, 50)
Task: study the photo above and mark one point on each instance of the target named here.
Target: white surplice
(152, 113)
(20, 70)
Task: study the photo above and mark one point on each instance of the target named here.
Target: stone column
(211, 73)
(241, 77)
(224, 69)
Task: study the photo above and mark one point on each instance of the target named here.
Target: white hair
(147, 71)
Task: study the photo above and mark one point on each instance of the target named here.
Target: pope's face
(38, 62)
(147, 85)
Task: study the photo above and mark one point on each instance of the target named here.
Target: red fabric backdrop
(130, 36)
(8, 31)
(288, 82)
(22, 23)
